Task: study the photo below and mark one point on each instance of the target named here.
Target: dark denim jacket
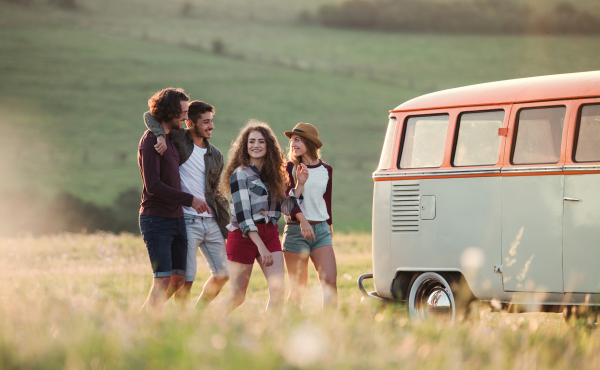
(213, 162)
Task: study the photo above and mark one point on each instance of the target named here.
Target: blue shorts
(167, 244)
(293, 241)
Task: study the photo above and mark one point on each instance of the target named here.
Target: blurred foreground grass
(71, 301)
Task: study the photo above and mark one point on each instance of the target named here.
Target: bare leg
(297, 266)
(275, 275)
(211, 289)
(324, 260)
(182, 296)
(175, 283)
(157, 296)
(240, 277)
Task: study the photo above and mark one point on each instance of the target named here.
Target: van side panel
(581, 237)
(382, 274)
(532, 234)
(465, 233)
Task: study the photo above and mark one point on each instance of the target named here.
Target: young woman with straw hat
(309, 227)
(256, 179)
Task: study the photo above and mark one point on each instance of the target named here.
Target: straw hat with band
(308, 131)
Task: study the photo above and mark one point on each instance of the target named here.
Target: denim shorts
(166, 241)
(204, 233)
(293, 241)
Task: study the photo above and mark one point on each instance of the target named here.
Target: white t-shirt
(193, 178)
(314, 207)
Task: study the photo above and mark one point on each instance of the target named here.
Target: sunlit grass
(72, 301)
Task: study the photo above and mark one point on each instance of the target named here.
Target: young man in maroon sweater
(161, 216)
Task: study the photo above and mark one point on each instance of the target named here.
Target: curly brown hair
(165, 104)
(273, 169)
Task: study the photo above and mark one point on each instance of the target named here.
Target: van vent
(405, 208)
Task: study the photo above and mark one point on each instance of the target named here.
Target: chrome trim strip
(426, 269)
(533, 169)
(582, 167)
(478, 171)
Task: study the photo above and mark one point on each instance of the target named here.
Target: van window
(424, 139)
(539, 135)
(588, 137)
(386, 153)
(478, 143)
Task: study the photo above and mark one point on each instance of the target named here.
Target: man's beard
(174, 124)
(199, 132)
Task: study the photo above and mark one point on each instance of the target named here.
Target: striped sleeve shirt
(251, 201)
(317, 193)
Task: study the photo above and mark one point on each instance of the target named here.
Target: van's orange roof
(554, 87)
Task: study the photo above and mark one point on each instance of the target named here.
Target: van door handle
(572, 199)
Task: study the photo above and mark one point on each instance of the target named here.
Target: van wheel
(431, 298)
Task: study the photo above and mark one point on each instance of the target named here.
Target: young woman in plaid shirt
(256, 178)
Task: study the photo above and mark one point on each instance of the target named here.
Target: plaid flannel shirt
(251, 201)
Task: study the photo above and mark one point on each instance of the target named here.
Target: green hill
(75, 83)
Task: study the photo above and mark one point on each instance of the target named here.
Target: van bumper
(368, 296)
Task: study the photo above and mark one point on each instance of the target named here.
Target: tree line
(480, 16)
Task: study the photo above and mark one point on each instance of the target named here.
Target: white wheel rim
(431, 299)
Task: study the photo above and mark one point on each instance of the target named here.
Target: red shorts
(243, 250)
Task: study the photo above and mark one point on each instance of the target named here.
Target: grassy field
(75, 83)
(71, 301)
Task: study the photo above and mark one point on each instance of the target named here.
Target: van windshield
(386, 153)
(424, 139)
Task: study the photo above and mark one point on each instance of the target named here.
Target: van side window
(588, 136)
(539, 135)
(478, 143)
(423, 141)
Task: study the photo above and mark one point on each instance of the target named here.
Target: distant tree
(478, 16)
(65, 4)
(19, 2)
(186, 9)
(218, 46)
(305, 17)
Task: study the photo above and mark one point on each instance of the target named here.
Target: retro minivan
(495, 188)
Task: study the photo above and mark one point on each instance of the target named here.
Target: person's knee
(187, 286)
(162, 283)
(237, 298)
(276, 288)
(329, 280)
(178, 280)
(221, 280)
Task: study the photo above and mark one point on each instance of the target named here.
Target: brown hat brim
(310, 137)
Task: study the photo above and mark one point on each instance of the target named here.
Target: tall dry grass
(71, 301)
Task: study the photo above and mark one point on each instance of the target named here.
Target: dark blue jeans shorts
(166, 241)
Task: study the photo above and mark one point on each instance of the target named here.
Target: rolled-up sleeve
(290, 203)
(240, 197)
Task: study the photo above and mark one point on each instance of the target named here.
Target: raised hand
(302, 173)
(161, 144)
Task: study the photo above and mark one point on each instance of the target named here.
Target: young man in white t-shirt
(200, 167)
